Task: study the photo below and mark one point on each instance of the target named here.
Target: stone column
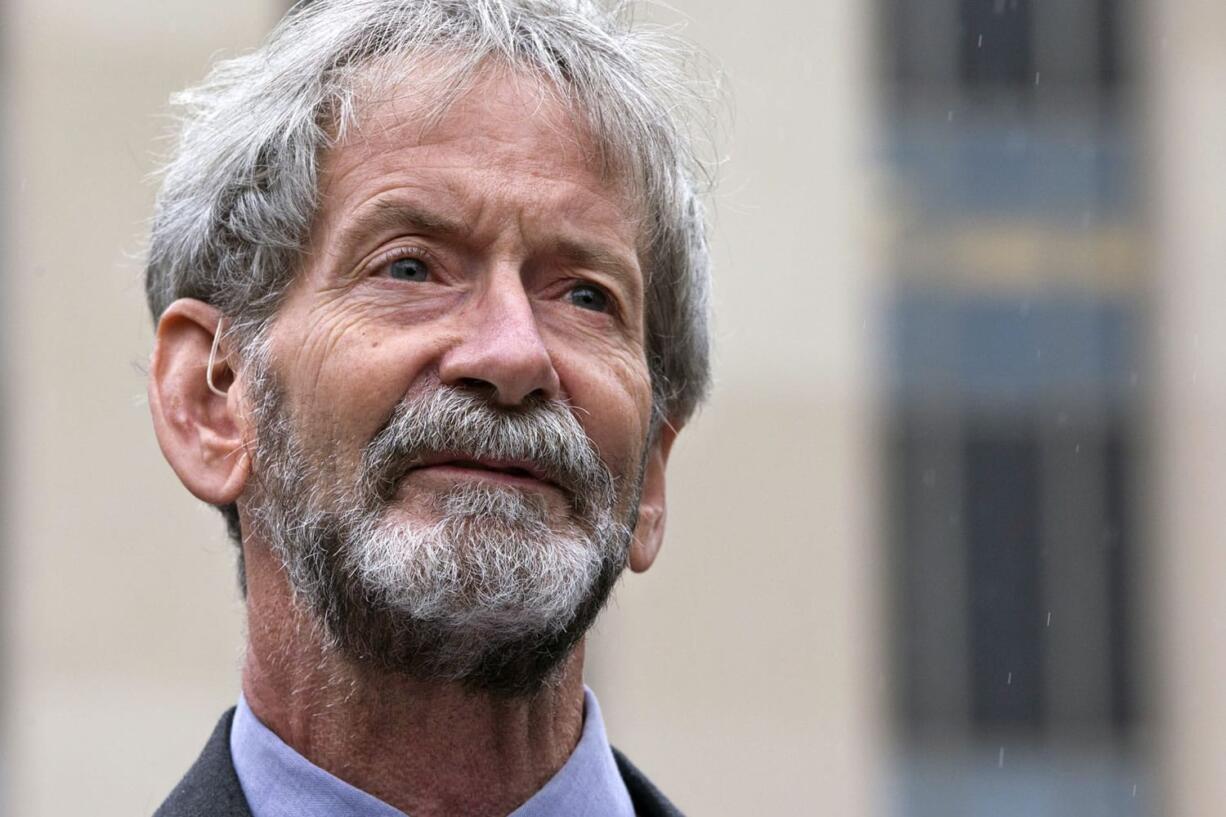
(1186, 45)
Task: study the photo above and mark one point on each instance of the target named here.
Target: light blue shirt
(279, 782)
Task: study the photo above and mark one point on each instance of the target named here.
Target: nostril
(476, 385)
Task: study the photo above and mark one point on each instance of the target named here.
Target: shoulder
(210, 788)
(647, 799)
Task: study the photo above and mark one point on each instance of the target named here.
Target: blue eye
(408, 269)
(586, 296)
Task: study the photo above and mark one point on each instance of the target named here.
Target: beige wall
(741, 672)
(119, 596)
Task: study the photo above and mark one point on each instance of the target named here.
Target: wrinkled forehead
(427, 97)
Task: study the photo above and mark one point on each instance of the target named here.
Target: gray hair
(240, 193)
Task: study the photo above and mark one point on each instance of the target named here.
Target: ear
(649, 532)
(201, 432)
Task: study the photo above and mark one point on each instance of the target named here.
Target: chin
(511, 650)
(486, 591)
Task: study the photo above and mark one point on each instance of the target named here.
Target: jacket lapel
(210, 788)
(647, 799)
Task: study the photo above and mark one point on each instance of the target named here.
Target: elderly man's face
(485, 251)
(482, 257)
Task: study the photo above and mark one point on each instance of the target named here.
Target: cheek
(345, 377)
(614, 402)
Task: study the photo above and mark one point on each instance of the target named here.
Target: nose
(501, 349)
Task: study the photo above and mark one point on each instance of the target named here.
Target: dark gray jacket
(210, 788)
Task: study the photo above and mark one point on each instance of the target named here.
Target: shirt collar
(279, 782)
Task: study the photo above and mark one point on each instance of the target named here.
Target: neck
(425, 748)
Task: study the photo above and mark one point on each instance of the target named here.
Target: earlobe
(649, 531)
(199, 424)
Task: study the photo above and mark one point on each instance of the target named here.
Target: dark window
(1005, 620)
(996, 43)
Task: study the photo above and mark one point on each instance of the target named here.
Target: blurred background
(944, 543)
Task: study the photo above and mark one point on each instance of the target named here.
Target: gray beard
(493, 594)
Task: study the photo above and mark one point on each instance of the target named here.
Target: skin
(500, 202)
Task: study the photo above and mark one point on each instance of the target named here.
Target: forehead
(507, 137)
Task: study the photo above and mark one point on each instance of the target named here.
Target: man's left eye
(587, 296)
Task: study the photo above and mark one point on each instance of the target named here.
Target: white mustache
(454, 423)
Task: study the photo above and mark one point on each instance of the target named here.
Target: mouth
(502, 472)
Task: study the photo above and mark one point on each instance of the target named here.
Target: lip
(509, 473)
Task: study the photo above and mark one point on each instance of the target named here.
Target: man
(430, 286)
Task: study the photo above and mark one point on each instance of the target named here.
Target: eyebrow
(595, 257)
(394, 215)
(390, 215)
